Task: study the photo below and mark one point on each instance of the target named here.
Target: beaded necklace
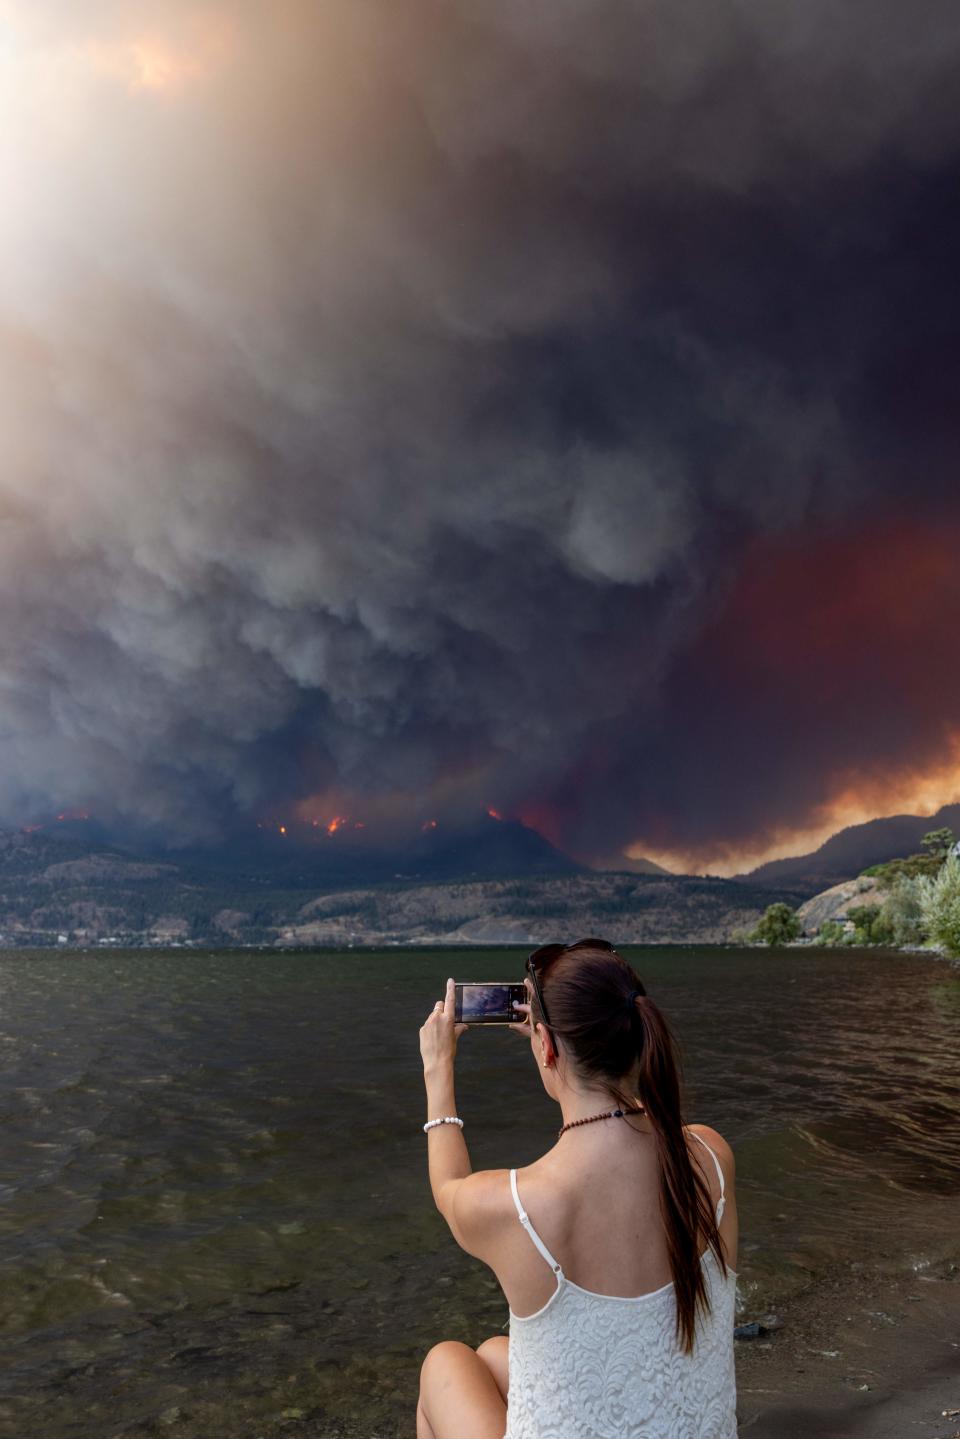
(607, 1114)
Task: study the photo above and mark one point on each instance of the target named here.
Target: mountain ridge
(499, 882)
(60, 888)
(853, 849)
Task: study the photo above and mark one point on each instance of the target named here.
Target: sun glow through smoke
(178, 51)
(166, 64)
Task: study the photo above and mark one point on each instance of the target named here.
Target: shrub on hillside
(937, 844)
(940, 906)
(912, 867)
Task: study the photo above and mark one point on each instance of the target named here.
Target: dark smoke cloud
(392, 394)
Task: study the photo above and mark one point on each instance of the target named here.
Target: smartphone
(488, 1003)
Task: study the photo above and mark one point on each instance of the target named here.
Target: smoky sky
(544, 405)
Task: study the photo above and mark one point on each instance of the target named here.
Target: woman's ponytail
(685, 1200)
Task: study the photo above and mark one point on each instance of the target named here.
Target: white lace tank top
(596, 1366)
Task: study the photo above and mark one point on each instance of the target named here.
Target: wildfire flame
(429, 824)
(494, 813)
(339, 821)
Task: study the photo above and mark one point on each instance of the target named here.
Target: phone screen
(489, 1003)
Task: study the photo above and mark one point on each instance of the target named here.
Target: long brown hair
(601, 1013)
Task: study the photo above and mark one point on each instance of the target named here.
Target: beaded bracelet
(448, 1119)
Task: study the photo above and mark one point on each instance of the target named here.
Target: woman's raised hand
(440, 1032)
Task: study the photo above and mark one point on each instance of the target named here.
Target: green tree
(902, 909)
(778, 926)
(939, 842)
(940, 906)
(831, 932)
(871, 924)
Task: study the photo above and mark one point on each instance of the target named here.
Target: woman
(615, 1250)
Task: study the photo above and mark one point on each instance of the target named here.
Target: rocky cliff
(835, 902)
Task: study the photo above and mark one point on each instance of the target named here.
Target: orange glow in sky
(861, 799)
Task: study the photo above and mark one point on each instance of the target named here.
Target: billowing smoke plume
(396, 397)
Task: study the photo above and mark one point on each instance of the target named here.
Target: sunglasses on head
(541, 959)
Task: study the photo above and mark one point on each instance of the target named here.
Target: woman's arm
(446, 1147)
(467, 1201)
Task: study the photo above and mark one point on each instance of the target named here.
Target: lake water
(214, 1211)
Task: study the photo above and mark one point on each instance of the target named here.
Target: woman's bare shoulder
(718, 1144)
(477, 1208)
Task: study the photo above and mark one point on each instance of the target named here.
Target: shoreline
(418, 946)
(868, 1354)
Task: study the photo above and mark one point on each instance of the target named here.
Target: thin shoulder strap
(720, 1201)
(524, 1218)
